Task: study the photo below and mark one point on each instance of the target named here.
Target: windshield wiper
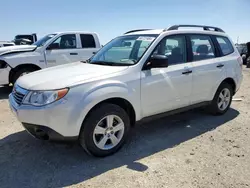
(85, 61)
(110, 63)
(99, 63)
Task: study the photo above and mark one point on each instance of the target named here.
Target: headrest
(176, 51)
(202, 49)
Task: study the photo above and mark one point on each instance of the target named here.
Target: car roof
(182, 31)
(204, 29)
(76, 32)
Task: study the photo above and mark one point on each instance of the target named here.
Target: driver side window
(65, 42)
(174, 47)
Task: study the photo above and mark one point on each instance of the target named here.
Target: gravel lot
(192, 149)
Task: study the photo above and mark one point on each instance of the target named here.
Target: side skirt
(172, 112)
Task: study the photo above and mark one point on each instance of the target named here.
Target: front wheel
(21, 72)
(105, 130)
(222, 99)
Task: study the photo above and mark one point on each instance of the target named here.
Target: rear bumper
(240, 78)
(46, 133)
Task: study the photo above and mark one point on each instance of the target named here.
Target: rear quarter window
(225, 45)
(87, 41)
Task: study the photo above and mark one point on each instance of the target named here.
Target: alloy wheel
(108, 132)
(224, 99)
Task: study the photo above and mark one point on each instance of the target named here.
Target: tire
(248, 62)
(216, 107)
(20, 73)
(90, 139)
(244, 59)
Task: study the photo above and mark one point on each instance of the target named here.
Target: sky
(111, 18)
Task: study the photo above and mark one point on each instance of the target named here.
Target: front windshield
(124, 50)
(43, 40)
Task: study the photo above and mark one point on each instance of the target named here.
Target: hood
(62, 76)
(17, 48)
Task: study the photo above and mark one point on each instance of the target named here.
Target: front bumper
(4, 75)
(46, 133)
(54, 120)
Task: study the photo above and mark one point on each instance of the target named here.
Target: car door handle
(220, 65)
(187, 72)
(73, 53)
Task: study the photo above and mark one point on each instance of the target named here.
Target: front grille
(18, 94)
(18, 97)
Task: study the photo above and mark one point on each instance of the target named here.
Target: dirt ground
(192, 149)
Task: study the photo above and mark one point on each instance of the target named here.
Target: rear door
(208, 71)
(67, 51)
(88, 46)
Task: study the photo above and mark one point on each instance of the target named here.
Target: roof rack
(131, 31)
(206, 28)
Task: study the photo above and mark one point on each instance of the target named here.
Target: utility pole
(238, 40)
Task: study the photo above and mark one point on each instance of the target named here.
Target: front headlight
(40, 98)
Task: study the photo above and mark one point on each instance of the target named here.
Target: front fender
(101, 92)
(13, 60)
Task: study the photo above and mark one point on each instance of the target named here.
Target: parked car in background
(52, 50)
(248, 55)
(133, 77)
(25, 39)
(6, 43)
(243, 52)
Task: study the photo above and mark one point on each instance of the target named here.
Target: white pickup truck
(53, 49)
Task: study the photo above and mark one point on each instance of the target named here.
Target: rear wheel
(222, 99)
(105, 130)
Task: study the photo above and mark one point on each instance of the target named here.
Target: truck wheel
(248, 62)
(222, 99)
(20, 73)
(105, 130)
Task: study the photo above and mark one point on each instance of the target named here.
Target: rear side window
(87, 41)
(225, 45)
(202, 47)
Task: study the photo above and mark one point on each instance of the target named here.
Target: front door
(64, 50)
(165, 89)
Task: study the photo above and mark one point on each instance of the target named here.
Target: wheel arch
(119, 101)
(231, 82)
(19, 67)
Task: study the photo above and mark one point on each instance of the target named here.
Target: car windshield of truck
(123, 51)
(43, 40)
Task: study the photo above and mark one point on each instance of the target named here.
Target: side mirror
(157, 61)
(53, 46)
